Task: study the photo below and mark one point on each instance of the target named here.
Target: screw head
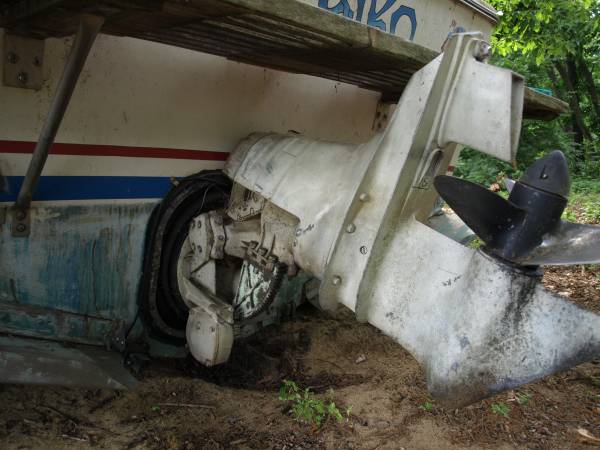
(23, 77)
(221, 237)
(351, 228)
(363, 197)
(364, 250)
(20, 215)
(12, 58)
(219, 220)
(336, 280)
(21, 228)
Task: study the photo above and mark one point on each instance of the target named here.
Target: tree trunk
(588, 79)
(555, 84)
(581, 131)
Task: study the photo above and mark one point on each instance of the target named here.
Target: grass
(500, 409)
(523, 398)
(305, 407)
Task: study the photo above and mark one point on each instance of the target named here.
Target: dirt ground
(179, 405)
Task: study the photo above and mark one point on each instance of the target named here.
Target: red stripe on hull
(114, 150)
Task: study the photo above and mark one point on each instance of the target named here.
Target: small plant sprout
(305, 407)
(427, 406)
(348, 411)
(523, 398)
(501, 409)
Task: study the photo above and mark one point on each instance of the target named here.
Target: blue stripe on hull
(90, 188)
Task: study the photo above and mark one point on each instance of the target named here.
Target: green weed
(306, 407)
(523, 398)
(501, 409)
(427, 406)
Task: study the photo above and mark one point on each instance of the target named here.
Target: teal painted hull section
(76, 277)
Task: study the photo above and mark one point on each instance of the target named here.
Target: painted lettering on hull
(375, 13)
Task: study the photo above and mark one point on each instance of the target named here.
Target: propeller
(527, 228)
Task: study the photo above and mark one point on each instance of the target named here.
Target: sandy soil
(179, 405)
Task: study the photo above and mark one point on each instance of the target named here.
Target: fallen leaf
(587, 436)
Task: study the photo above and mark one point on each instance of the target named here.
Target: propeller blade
(515, 229)
(509, 184)
(485, 212)
(571, 243)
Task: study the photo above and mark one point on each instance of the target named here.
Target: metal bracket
(21, 222)
(383, 113)
(89, 27)
(23, 62)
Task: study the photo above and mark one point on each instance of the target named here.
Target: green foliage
(427, 406)
(555, 45)
(569, 215)
(545, 29)
(585, 186)
(523, 398)
(306, 408)
(500, 409)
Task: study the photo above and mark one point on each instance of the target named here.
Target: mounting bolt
(336, 280)
(483, 51)
(351, 228)
(23, 77)
(12, 58)
(218, 220)
(221, 237)
(364, 250)
(21, 228)
(364, 197)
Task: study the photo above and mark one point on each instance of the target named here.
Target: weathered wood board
(287, 35)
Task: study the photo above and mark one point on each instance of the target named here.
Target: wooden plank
(285, 35)
(542, 106)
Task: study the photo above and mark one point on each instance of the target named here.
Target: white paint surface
(138, 93)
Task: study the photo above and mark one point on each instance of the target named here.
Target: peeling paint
(77, 274)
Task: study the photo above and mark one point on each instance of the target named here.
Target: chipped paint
(76, 277)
